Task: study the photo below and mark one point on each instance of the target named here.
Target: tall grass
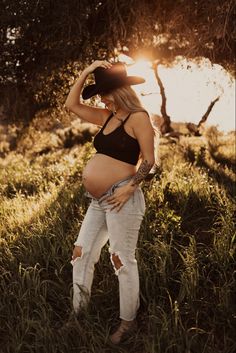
(186, 255)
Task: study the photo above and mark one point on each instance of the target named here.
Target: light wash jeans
(121, 229)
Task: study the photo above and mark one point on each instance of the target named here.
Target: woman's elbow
(68, 105)
(150, 160)
(71, 106)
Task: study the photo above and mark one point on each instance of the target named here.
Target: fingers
(103, 63)
(99, 63)
(117, 206)
(116, 201)
(106, 64)
(110, 199)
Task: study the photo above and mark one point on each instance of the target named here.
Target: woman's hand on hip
(120, 196)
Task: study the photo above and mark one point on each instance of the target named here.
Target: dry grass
(186, 254)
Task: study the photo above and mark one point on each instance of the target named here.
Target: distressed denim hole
(79, 254)
(117, 263)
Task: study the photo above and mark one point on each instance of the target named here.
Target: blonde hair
(126, 99)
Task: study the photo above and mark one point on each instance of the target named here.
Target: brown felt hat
(107, 80)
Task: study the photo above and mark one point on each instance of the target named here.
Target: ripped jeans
(121, 229)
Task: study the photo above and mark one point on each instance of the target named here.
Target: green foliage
(186, 255)
(44, 43)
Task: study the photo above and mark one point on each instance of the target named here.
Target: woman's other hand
(120, 196)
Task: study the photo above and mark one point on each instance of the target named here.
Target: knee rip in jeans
(117, 263)
(79, 253)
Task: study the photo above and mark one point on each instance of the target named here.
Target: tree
(195, 129)
(44, 42)
(166, 125)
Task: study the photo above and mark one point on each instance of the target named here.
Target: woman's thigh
(93, 231)
(123, 226)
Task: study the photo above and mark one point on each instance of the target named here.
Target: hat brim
(91, 90)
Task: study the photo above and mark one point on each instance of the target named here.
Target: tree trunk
(195, 129)
(209, 109)
(165, 127)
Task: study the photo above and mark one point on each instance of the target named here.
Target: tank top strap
(108, 119)
(124, 121)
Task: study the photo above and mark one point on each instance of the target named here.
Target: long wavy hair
(127, 99)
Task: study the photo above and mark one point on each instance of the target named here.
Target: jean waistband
(110, 191)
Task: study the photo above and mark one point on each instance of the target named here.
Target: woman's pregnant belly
(102, 171)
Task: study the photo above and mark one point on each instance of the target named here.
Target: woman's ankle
(125, 328)
(127, 323)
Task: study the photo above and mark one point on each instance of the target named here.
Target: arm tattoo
(142, 172)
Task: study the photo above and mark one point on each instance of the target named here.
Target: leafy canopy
(39, 38)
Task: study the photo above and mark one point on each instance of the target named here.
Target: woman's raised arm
(73, 102)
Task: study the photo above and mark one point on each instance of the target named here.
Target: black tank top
(117, 144)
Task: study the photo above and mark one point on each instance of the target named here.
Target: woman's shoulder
(140, 120)
(137, 115)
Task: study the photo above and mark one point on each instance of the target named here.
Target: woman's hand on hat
(98, 63)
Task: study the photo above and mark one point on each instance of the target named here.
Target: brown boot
(124, 330)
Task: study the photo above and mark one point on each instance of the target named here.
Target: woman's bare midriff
(102, 171)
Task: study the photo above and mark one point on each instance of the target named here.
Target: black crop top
(117, 144)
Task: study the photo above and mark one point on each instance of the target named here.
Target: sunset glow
(189, 88)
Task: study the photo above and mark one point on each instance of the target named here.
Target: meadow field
(186, 253)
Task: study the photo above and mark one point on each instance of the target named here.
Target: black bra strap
(109, 118)
(124, 121)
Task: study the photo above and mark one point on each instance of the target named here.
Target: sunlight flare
(190, 87)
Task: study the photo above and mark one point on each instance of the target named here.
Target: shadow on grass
(195, 211)
(224, 161)
(219, 175)
(43, 287)
(47, 241)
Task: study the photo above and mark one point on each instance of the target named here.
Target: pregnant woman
(124, 157)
